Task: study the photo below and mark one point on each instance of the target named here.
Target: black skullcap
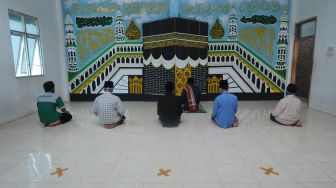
(108, 84)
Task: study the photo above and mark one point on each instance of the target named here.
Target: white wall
(323, 85)
(18, 95)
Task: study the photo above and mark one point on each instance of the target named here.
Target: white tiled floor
(200, 154)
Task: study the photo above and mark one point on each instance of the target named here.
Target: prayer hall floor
(197, 153)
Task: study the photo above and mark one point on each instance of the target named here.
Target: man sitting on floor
(169, 107)
(225, 107)
(47, 103)
(109, 108)
(287, 112)
(191, 96)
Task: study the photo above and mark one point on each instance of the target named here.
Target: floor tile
(319, 185)
(236, 173)
(199, 173)
(146, 185)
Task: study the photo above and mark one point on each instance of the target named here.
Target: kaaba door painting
(141, 44)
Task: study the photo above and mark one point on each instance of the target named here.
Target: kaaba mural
(174, 48)
(139, 45)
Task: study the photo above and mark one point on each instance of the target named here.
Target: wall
(18, 95)
(323, 90)
(247, 40)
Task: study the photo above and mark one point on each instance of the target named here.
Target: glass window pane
(25, 44)
(32, 25)
(22, 66)
(16, 21)
(31, 48)
(34, 57)
(308, 29)
(16, 43)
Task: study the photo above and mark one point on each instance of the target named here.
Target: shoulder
(98, 97)
(163, 98)
(283, 100)
(297, 99)
(233, 96)
(58, 98)
(40, 96)
(115, 97)
(48, 97)
(289, 99)
(219, 97)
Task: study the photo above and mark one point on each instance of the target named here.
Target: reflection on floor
(198, 153)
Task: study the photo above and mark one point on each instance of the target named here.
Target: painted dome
(68, 20)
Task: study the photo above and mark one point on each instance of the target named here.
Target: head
(224, 85)
(291, 89)
(190, 81)
(108, 86)
(169, 87)
(49, 86)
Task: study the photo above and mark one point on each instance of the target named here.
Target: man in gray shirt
(109, 108)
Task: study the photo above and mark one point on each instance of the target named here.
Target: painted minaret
(70, 44)
(119, 28)
(282, 43)
(233, 34)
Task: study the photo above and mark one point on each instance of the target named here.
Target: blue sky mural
(210, 10)
(140, 11)
(202, 10)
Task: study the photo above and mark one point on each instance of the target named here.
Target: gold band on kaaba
(175, 42)
(176, 36)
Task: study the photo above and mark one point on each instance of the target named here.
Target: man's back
(224, 109)
(108, 108)
(288, 110)
(169, 109)
(47, 103)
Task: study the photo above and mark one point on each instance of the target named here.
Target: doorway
(303, 56)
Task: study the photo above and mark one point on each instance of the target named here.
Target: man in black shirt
(169, 107)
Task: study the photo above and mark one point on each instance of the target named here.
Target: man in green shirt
(47, 103)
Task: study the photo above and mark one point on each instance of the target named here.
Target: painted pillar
(119, 28)
(233, 34)
(282, 43)
(70, 44)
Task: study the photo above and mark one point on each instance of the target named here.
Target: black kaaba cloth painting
(175, 41)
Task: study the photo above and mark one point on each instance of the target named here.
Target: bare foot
(53, 124)
(298, 124)
(110, 126)
(236, 123)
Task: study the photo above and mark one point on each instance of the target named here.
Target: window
(306, 28)
(26, 45)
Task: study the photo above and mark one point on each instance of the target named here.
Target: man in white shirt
(109, 108)
(287, 112)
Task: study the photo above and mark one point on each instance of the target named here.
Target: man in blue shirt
(225, 107)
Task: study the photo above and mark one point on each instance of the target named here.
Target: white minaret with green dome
(282, 43)
(119, 28)
(233, 34)
(70, 44)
